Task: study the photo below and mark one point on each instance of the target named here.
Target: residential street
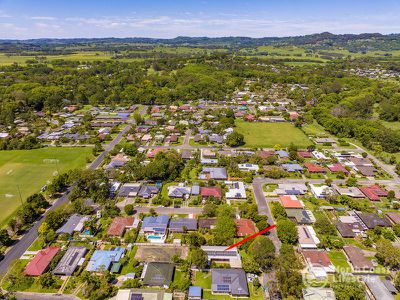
(29, 237)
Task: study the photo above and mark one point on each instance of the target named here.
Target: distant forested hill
(326, 40)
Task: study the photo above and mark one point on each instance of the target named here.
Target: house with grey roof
(69, 226)
(158, 274)
(300, 216)
(73, 258)
(178, 191)
(129, 190)
(377, 288)
(195, 190)
(229, 281)
(291, 189)
(213, 173)
(292, 168)
(282, 154)
(182, 225)
(148, 191)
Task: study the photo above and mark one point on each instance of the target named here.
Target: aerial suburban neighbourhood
(197, 168)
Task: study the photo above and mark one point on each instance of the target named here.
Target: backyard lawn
(339, 260)
(270, 134)
(26, 171)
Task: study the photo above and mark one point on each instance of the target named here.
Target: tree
(5, 239)
(235, 139)
(256, 283)
(250, 265)
(46, 280)
(324, 226)
(387, 254)
(225, 230)
(198, 258)
(278, 211)
(210, 210)
(287, 231)
(38, 201)
(351, 181)
(349, 290)
(129, 209)
(290, 283)
(194, 239)
(391, 195)
(396, 229)
(397, 281)
(55, 218)
(263, 251)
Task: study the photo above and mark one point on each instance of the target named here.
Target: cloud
(197, 24)
(43, 18)
(4, 15)
(47, 25)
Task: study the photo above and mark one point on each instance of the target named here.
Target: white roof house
(248, 167)
(319, 155)
(236, 190)
(307, 237)
(320, 191)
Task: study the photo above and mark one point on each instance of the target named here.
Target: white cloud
(197, 24)
(43, 18)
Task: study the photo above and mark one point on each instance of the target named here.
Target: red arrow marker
(251, 237)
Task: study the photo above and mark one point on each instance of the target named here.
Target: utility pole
(20, 196)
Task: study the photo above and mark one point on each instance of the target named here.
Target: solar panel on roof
(136, 297)
(226, 280)
(71, 262)
(223, 287)
(306, 233)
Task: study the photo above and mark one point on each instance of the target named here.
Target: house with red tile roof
(211, 191)
(304, 154)
(119, 225)
(265, 153)
(38, 265)
(294, 115)
(337, 168)
(154, 152)
(155, 109)
(313, 168)
(318, 262)
(245, 227)
(250, 118)
(373, 192)
(291, 201)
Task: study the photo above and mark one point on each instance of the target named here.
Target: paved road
(43, 296)
(264, 210)
(169, 210)
(187, 138)
(387, 168)
(29, 237)
(97, 162)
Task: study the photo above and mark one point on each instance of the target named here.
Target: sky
(25, 19)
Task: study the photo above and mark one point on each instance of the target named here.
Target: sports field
(29, 170)
(260, 134)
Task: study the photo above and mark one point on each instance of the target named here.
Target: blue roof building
(102, 259)
(292, 167)
(282, 154)
(195, 292)
(155, 225)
